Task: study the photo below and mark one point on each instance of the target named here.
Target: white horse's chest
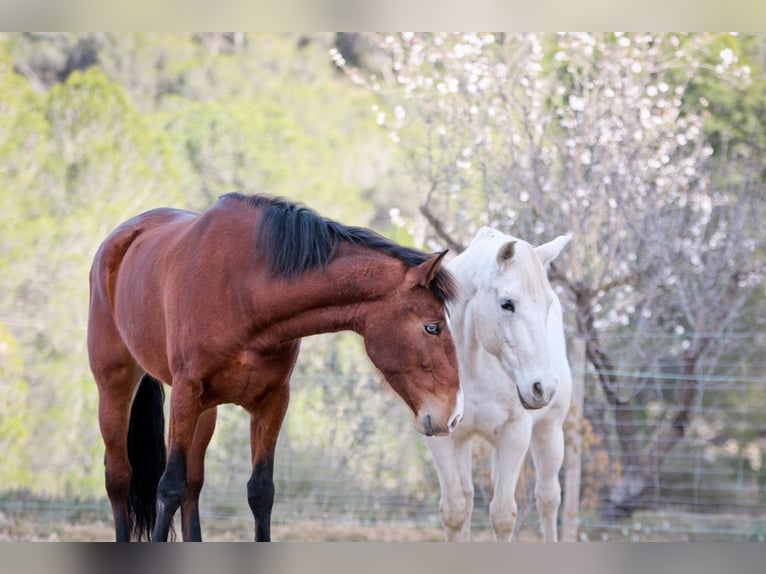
(491, 400)
(487, 420)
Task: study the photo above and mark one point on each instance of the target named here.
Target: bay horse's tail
(147, 455)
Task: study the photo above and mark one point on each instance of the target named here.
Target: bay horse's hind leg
(116, 375)
(116, 386)
(195, 476)
(265, 422)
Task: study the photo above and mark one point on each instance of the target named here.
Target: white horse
(509, 333)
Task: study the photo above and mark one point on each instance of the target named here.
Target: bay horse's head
(511, 301)
(408, 339)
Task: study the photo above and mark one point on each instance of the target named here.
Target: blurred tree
(91, 162)
(259, 147)
(14, 413)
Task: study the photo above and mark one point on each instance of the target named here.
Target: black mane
(295, 239)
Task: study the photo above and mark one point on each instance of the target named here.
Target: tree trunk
(639, 463)
(634, 489)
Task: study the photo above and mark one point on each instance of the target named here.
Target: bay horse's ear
(505, 253)
(424, 273)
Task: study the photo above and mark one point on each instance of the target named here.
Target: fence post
(573, 456)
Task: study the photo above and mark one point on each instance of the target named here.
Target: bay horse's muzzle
(430, 427)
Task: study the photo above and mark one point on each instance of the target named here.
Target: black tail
(147, 455)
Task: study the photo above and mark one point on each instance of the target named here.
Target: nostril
(454, 422)
(537, 389)
(428, 425)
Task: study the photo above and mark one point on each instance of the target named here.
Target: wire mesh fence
(710, 485)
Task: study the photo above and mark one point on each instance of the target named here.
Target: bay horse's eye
(433, 328)
(508, 305)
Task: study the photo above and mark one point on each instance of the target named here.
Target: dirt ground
(31, 526)
(28, 529)
(33, 520)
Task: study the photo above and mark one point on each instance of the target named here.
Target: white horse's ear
(547, 252)
(505, 253)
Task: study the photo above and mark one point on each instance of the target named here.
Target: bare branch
(439, 229)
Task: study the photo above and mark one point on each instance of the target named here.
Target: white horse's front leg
(453, 465)
(548, 456)
(510, 448)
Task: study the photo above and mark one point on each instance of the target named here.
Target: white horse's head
(505, 278)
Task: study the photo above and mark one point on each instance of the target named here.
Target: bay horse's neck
(337, 298)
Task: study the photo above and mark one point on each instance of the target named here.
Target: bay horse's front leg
(195, 476)
(265, 422)
(185, 411)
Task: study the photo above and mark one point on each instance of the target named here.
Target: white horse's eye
(508, 305)
(433, 328)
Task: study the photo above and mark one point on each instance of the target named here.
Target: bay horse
(215, 304)
(508, 329)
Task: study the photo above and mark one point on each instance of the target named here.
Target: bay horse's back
(105, 344)
(108, 258)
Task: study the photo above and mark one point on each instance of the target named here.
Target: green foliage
(14, 412)
(736, 111)
(100, 163)
(257, 147)
(23, 146)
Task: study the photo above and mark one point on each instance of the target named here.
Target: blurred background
(648, 148)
